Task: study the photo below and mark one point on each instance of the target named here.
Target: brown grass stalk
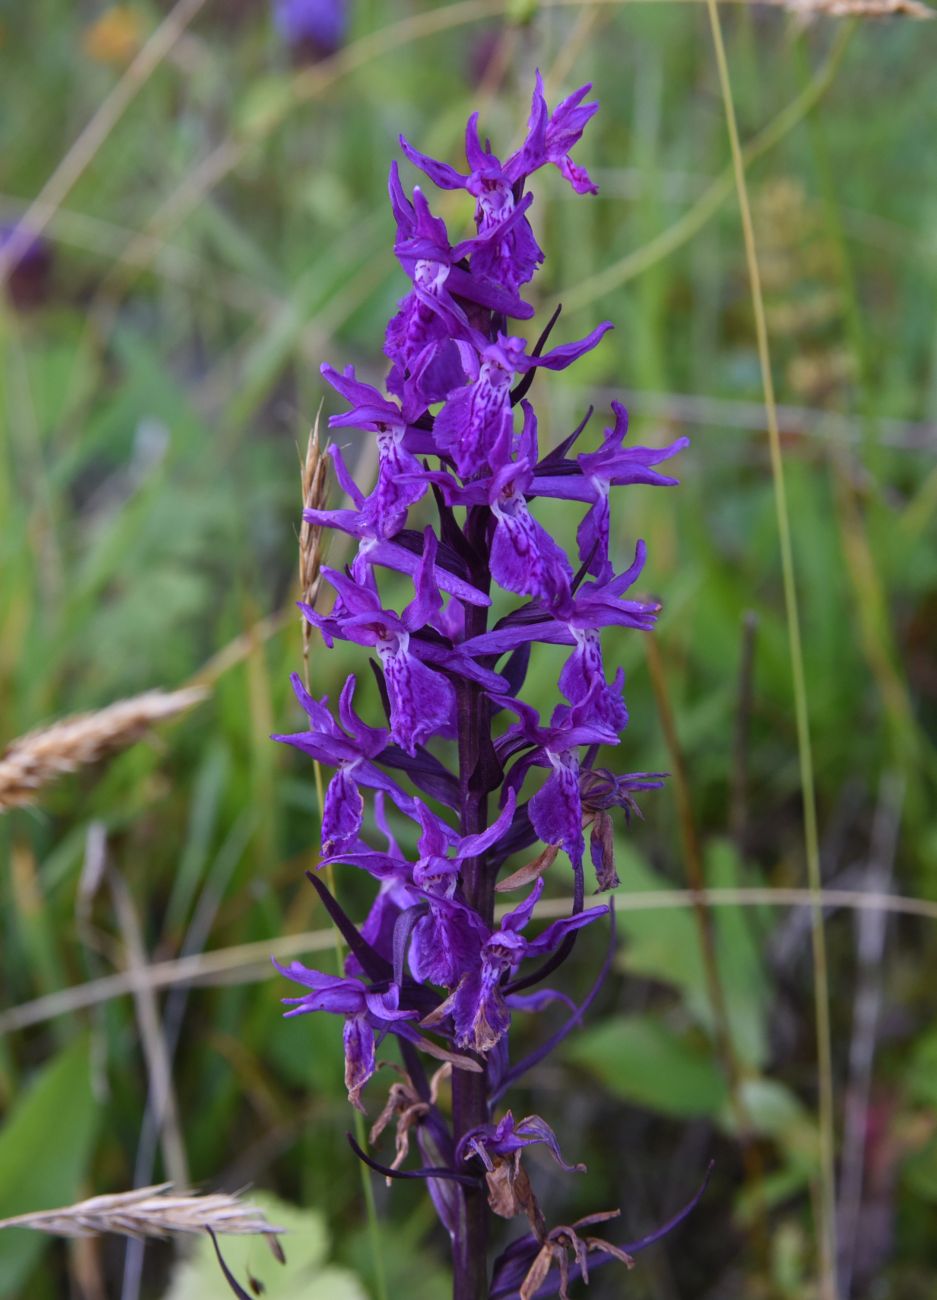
(33, 761)
(315, 491)
(315, 488)
(162, 1094)
(809, 9)
(155, 1211)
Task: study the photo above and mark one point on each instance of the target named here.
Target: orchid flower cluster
(430, 965)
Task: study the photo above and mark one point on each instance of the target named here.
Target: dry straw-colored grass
(149, 1212)
(809, 9)
(315, 488)
(34, 760)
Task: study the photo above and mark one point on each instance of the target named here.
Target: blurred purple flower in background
(316, 28)
(28, 261)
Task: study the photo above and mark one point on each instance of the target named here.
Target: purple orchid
(577, 620)
(550, 138)
(367, 1012)
(446, 941)
(555, 811)
(599, 792)
(351, 752)
(422, 700)
(479, 1009)
(462, 761)
(507, 1136)
(392, 497)
(590, 478)
(446, 937)
(364, 522)
(524, 558)
(475, 424)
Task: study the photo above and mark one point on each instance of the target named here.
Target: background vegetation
(226, 232)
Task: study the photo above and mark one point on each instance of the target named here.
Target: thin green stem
(827, 1199)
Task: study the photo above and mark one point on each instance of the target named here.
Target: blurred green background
(225, 234)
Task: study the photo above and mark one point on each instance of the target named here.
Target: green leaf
(773, 1110)
(305, 1276)
(921, 1075)
(919, 1172)
(665, 945)
(645, 1062)
(45, 1146)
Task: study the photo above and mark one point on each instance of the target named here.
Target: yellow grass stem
(827, 1199)
(250, 962)
(314, 491)
(152, 1037)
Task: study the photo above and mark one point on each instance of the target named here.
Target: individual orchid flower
(367, 1012)
(555, 811)
(446, 940)
(422, 700)
(523, 556)
(499, 1147)
(551, 137)
(508, 1137)
(366, 524)
(477, 418)
(397, 489)
(590, 478)
(352, 753)
(600, 791)
(577, 620)
(479, 1010)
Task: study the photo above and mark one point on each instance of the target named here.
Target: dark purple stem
(469, 1090)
